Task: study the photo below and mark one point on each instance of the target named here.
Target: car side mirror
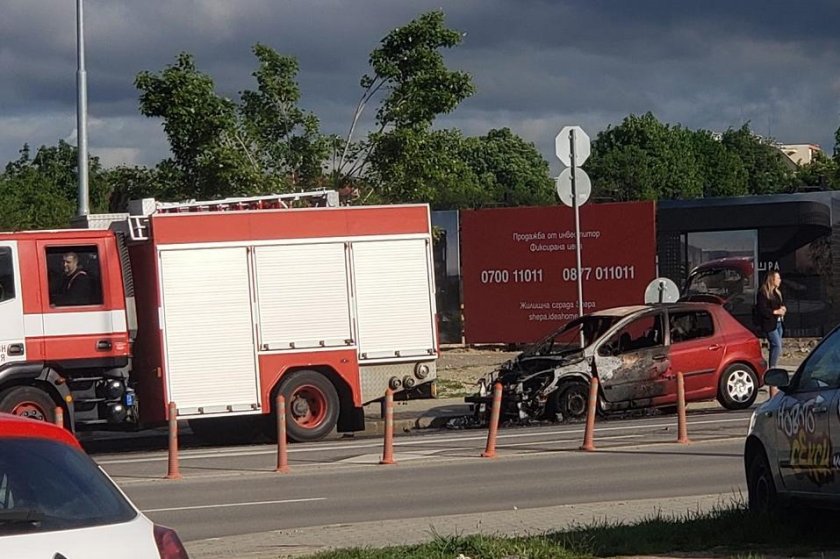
(777, 377)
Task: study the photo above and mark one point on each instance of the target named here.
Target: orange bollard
(282, 454)
(682, 424)
(589, 433)
(59, 416)
(173, 472)
(495, 413)
(773, 391)
(388, 450)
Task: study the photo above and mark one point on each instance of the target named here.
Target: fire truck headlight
(409, 382)
(395, 383)
(421, 371)
(117, 413)
(114, 389)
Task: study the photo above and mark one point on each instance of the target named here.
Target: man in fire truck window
(77, 286)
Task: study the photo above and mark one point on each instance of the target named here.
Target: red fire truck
(219, 307)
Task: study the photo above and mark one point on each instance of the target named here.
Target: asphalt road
(233, 490)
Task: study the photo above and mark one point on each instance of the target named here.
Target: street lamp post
(81, 111)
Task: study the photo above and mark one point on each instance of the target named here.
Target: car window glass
(642, 333)
(74, 276)
(690, 325)
(7, 275)
(57, 485)
(822, 369)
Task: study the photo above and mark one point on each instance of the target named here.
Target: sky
(537, 65)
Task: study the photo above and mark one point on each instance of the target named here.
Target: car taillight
(169, 544)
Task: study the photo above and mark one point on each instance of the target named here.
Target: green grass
(729, 531)
(452, 388)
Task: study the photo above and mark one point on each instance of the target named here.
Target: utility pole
(81, 111)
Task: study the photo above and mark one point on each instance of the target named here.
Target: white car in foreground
(792, 451)
(55, 502)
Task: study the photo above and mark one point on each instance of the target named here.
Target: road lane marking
(251, 504)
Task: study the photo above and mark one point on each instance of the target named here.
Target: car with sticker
(56, 502)
(636, 353)
(792, 450)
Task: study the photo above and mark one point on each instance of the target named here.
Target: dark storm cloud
(537, 64)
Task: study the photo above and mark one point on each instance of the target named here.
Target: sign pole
(577, 223)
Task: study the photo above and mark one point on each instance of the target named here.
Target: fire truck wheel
(28, 401)
(311, 406)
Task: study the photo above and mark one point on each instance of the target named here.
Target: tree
(643, 159)
(220, 148)
(821, 171)
(41, 191)
(723, 173)
(285, 138)
(766, 170)
(200, 125)
(134, 183)
(415, 86)
(511, 171)
(837, 144)
(424, 166)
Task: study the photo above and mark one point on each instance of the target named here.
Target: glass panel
(642, 333)
(56, 485)
(74, 276)
(821, 370)
(7, 275)
(691, 325)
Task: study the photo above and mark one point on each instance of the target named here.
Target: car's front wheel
(738, 387)
(571, 402)
(760, 485)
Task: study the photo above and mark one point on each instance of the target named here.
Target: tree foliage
(40, 191)
(644, 159)
(264, 143)
(413, 86)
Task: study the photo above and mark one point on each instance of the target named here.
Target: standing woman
(772, 312)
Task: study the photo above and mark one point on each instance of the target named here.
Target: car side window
(643, 333)
(822, 369)
(74, 276)
(690, 325)
(7, 275)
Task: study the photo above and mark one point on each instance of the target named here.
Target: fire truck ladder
(140, 210)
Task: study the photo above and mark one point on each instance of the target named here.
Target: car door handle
(714, 347)
(15, 349)
(660, 357)
(820, 409)
(104, 345)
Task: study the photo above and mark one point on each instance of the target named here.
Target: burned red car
(636, 353)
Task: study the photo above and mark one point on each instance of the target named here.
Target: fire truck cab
(219, 307)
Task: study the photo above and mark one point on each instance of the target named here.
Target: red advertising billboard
(519, 273)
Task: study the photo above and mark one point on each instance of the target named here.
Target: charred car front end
(549, 380)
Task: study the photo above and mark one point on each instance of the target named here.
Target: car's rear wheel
(738, 387)
(760, 485)
(28, 401)
(312, 406)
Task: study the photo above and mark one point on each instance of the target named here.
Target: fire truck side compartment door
(304, 300)
(394, 301)
(12, 347)
(209, 331)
